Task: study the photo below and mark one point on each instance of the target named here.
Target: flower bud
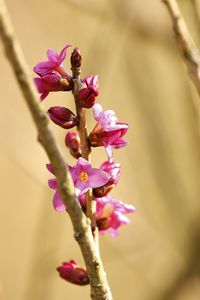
(62, 116)
(89, 91)
(69, 271)
(72, 141)
(76, 58)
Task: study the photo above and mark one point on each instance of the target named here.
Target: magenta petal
(50, 168)
(52, 55)
(44, 95)
(98, 178)
(39, 84)
(45, 67)
(119, 144)
(58, 202)
(52, 184)
(62, 54)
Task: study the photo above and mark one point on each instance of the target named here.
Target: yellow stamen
(83, 176)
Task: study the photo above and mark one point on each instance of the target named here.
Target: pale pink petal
(97, 178)
(83, 163)
(109, 153)
(97, 109)
(58, 202)
(81, 187)
(75, 172)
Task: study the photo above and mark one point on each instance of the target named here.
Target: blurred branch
(196, 5)
(185, 42)
(81, 225)
(191, 267)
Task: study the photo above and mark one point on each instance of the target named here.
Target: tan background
(130, 45)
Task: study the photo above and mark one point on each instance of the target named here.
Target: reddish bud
(89, 91)
(76, 58)
(72, 141)
(69, 271)
(63, 117)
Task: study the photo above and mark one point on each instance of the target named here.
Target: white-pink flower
(108, 131)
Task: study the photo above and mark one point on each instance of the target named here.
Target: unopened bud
(63, 117)
(69, 271)
(72, 141)
(89, 91)
(76, 58)
(85, 98)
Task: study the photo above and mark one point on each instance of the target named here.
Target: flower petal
(97, 178)
(44, 67)
(58, 202)
(50, 168)
(52, 184)
(52, 55)
(83, 162)
(97, 109)
(62, 54)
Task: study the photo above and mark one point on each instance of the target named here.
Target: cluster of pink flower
(108, 132)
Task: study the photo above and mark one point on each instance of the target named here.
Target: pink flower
(84, 177)
(113, 169)
(53, 63)
(62, 116)
(108, 131)
(69, 271)
(72, 141)
(110, 214)
(88, 92)
(53, 77)
(51, 82)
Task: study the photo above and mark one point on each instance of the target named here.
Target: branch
(185, 42)
(81, 225)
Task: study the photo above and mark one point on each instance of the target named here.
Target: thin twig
(81, 226)
(185, 41)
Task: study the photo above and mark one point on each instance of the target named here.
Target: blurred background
(130, 44)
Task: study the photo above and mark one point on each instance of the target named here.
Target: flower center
(83, 176)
